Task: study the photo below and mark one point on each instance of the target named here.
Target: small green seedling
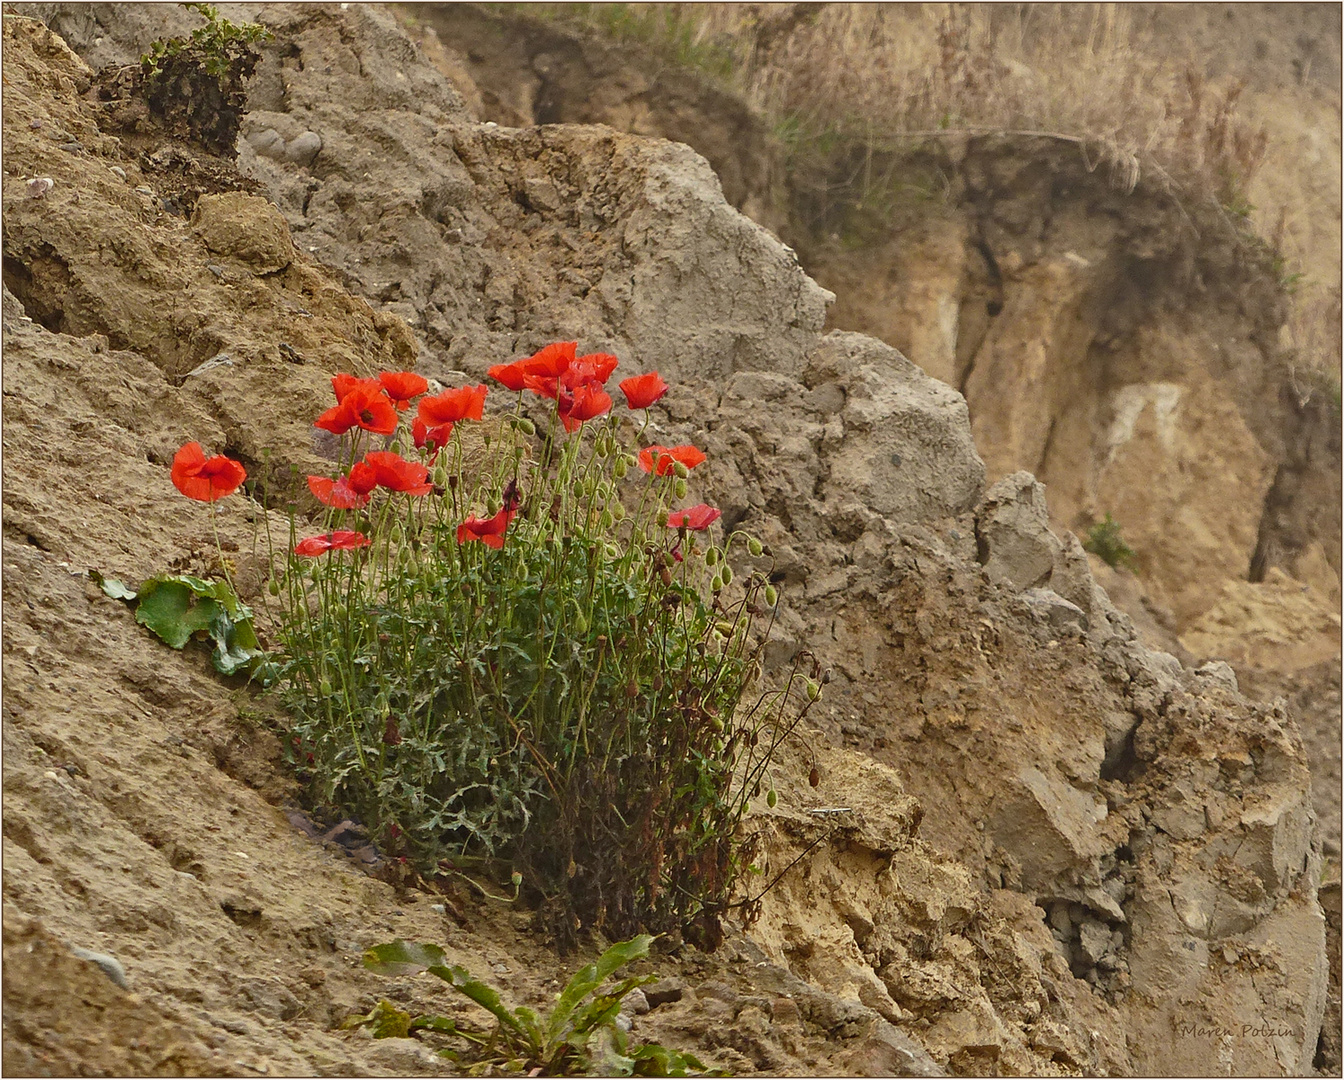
(579, 1036)
(1104, 541)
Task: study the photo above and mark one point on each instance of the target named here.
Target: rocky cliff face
(1059, 851)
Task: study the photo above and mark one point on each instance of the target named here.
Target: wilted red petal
(511, 375)
(340, 540)
(697, 517)
(489, 531)
(337, 493)
(401, 386)
(397, 474)
(688, 455)
(433, 437)
(205, 479)
(463, 403)
(641, 391)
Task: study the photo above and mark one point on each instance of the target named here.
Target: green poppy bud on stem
(618, 511)
(273, 587)
(813, 690)
(680, 471)
(717, 584)
(711, 556)
(771, 798)
(620, 468)
(525, 425)
(441, 476)
(606, 520)
(771, 596)
(679, 488)
(324, 688)
(754, 546)
(662, 518)
(727, 574)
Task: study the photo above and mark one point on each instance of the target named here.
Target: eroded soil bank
(1064, 853)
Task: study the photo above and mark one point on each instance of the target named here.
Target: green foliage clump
(578, 1037)
(522, 659)
(197, 84)
(1104, 541)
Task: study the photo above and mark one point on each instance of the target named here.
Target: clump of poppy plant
(536, 660)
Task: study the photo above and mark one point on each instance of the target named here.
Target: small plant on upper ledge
(1104, 541)
(196, 83)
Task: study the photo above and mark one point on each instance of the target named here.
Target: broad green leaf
(113, 587)
(589, 978)
(173, 611)
(403, 958)
(385, 1020)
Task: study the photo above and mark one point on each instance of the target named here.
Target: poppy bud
(662, 519)
(525, 425)
(717, 584)
(621, 467)
(813, 690)
(754, 546)
(680, 471)
(580, 623)
(441, 476)
(814, 777)
(715, 723)
(485, 437)
(618, 511)
(324, 688)
(711, 556)
(727, 574)
(606, 520)
(679, 488)
(771, 798)
(771, 596)
(273, 587)
(724, 628)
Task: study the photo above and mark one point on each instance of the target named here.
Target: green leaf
(173, 610)
(385, 1020)
(589, 978)
(113, 587)
(403, 958)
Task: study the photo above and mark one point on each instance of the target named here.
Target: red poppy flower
(697, 517)
(586, 403)
(489, 531)
(641, 391)
(344, 383)
(397, 474)
(205, 479)
(401, 386)
(688, 455)
(595, 368)
(433, 437)
(546, 385)
(552, 361)
(348, 492)
(511, 375)
(364, 405)
(340, 540)
(464, 403)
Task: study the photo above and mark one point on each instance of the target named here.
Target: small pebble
(119, 172)
(39, 186)
(49, 775)
(35, 123)
(110, 964)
